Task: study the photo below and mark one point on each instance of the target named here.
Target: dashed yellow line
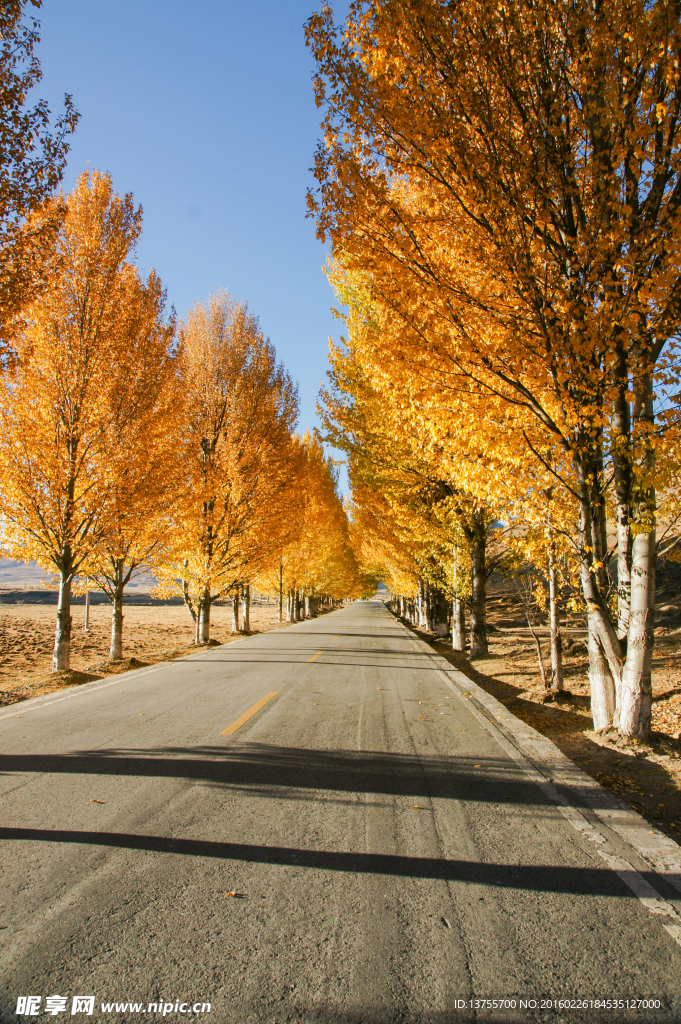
(231, 729)
(314, 657)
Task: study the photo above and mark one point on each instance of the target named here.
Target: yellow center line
(314, 657)
(231, 729)
(333, 638)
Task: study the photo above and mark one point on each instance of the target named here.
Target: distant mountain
(28, 576)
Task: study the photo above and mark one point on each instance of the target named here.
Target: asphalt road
(387, 859)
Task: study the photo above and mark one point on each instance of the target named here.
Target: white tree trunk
(621, 457)
(637, 694)
(479, 648)
(601, 681)
(235, 612)
(204, 617)
(623, 571)
(116, 647)
(61, 657)
(557, 681)
(423, 616)
(605, 649)
(246, 608)
(458, 625)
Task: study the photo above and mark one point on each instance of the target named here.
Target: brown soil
(647, 776)
(152, 633)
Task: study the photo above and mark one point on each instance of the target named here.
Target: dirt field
(151, 633)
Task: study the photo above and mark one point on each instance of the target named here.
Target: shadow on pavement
(258, 766)
(532, 877)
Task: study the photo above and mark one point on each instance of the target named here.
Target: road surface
(365, 848)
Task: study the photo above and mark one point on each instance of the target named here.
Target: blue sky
(204, 110)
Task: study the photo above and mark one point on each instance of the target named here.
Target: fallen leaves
(666, 715)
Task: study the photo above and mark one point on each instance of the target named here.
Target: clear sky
(204, 110)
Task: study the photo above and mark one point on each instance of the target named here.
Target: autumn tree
(319, 562)
(59, 453)
(381, 418)
(32, 160)
(237, 415)
(142, 449)
(511, 184)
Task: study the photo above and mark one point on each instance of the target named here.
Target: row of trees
(502, 191)
(131, 443)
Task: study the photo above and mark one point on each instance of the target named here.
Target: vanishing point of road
(312, 824)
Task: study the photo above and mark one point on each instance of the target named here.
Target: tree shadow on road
(586, 881)
(286, 772)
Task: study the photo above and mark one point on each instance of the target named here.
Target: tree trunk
(540, 656)
(636, 698)
(458, 624)
(458, 609)
(423, 620)
(61, 657)
(621, 457)
(478, 628)
(246, 607)
(280, 615)
(624, 553)
(204, 617)
(197, 624)
(601, 681)
(235, 612)
(439, 612)
(116, 648)
(602, 633)
(557, 681)
(188, 603)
